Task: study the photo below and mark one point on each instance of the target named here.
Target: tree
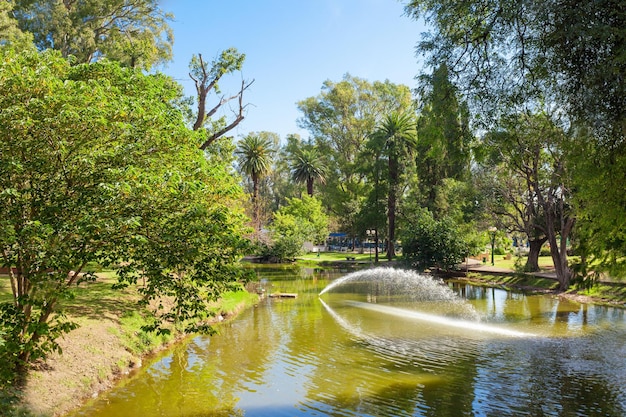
(132, 32)
(531, 148)
(97, 165)
(255, 153)
(433, 243)
(395, 138)
(307, 167)
(509, 55)
(506, 53)
(444, 136)
(300, 220)
(513, 204)
(340, 120)
(311, 223)
(206, 78)
(10, 33)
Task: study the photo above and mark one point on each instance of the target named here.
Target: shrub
(433, 243)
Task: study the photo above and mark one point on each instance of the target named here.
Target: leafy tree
(10, 33)
(444, 136)
(97, 165)
(513, 203)
(599, 174)
(531, 148)
(255, 152)
(279, 183)
(132, 32)
(307, 167)
(505, 53)
(340, 121)
(395, 138)
(300, 220)
(310, 216)
(206, 78)
(431, 243)
(509, 54)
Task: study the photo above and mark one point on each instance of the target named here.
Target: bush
(283, 249)
(433, 243)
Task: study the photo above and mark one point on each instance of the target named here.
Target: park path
(474, 265)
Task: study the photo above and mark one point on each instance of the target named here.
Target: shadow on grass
(97, 300)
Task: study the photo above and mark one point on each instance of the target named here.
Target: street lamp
(370, 232)
(492, 232)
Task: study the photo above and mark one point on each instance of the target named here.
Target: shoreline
(96, 356)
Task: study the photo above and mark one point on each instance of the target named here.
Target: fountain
(412, 289)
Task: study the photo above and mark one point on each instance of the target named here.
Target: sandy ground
(89, 364)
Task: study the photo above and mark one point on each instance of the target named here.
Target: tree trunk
(532, 262)
(558, 249)
(391, 207)
(309, 186)
(255, 206)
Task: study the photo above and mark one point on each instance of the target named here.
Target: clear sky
(292, 47)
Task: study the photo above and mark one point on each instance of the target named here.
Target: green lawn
(341, 256)
(500, 261)
(5, 289)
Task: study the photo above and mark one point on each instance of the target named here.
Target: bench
(350, 258)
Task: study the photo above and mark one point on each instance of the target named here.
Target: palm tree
(307, 167)
(255, 153)
(396, 137)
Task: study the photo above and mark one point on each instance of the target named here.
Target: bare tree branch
(235, 122)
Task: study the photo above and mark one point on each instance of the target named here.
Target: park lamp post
(492, 233)
(370, 233)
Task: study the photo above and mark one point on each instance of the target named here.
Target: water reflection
(298, 358)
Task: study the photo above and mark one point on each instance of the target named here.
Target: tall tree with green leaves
(255, 154)
(10, 33)
(444, 136)
(308, 167)
(97, 165)
(395, 138)
(531, 147)
(340, 120)
(509, 54)
(133, 32)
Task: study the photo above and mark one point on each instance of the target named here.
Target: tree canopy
(340, 120)
(132, 32)
(97, 165)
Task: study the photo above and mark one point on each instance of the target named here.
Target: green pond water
(386, 344)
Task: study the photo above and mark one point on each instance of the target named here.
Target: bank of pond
(386, 342)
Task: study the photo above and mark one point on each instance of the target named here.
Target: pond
(368, 348)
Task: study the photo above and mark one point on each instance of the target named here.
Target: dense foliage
(433, 243)
(98, 166)
(565, 58)
(300, 220)
(132, 32)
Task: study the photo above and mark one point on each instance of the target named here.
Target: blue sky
(292, 47)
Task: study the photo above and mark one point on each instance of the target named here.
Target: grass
(611, 293)
(327, 257)
(500, 261)
(513, 281)
(232, 302)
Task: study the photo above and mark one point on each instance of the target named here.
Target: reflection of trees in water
(294, 352)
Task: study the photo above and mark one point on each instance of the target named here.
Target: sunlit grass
(5, 289)
(341, 256)
(501, 261)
